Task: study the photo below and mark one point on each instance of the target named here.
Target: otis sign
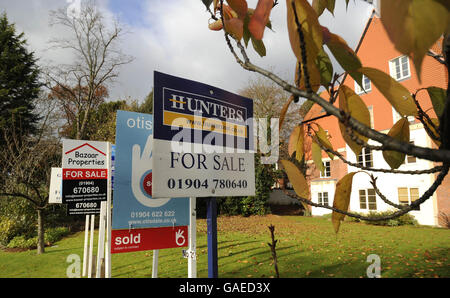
(84, 175)
(140, 221)
(203, 140)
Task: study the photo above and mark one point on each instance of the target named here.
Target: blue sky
(130, 11)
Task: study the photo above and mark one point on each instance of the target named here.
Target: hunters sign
(203, 140)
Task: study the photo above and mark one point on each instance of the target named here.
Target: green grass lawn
(307, 247)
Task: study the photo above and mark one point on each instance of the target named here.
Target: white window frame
(393, 68)
(367, 89)
(321, 198)
(326, 174)
(366, 199)
(364, 161)
(409, 196)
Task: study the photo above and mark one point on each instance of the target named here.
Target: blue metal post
(211, 221)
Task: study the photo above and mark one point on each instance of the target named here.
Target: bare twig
(388, 142)
(273, 249)
(356, 165)
(396, 214)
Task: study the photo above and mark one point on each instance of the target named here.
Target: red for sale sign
(148, 239)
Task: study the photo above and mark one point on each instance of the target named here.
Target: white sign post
(192, 251)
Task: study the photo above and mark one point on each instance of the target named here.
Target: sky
(172, 36)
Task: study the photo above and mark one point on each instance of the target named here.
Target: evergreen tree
(19, 83)
(147, 105)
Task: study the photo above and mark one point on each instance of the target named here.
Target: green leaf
(317, 157)
(345, 56)
(259, 47)
(399, 97)
(325, 67)
(297, 179)
(352, 104)
(414, 26)
(247, 33)
(438, 97)
(342, 199)
(400, 131)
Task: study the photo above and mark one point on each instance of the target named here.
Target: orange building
(377, 51)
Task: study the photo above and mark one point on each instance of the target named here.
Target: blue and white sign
(133, 204)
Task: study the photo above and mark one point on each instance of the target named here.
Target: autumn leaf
(317, 157)
(310, 26)
(397, 95)
(297, 179)
(284, 111)
(322, 138)
(352, 104)
(296, 142)
(314, 75)
(216, 26)
(239, 6)
(235, 27)
(438, 97)
(400, 131)
(341, 199)
(434, 131)
(414, 26)
(320, 5)
(260, 18)
(325, 68)
(344, 55)
(259, 46)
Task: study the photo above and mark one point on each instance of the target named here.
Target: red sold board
(148, 239)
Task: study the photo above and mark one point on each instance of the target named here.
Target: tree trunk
(40, 242)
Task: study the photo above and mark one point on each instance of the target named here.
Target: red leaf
(260, 18)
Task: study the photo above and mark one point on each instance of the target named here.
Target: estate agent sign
(84, 174)
(140, 221)
(203, 140)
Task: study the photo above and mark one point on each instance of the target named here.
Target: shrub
(254, 206)
(51, 236)
(406, 219)
(7, 230)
